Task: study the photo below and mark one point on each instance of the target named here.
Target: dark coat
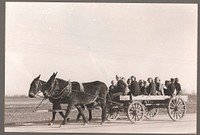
(152, 89)
(178, 88)
(134, 88)
(143, 90)
(171, 89)
(112, 89)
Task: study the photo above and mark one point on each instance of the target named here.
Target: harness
(67, 88)
(81, 87)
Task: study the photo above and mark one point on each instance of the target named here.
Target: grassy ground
(20, 110)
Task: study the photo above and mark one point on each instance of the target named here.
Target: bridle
(38, 89)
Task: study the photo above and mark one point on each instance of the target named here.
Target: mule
(36, 87)
(69, 92)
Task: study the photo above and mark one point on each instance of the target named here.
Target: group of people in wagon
(150, 87)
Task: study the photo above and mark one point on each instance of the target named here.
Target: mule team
(59, 91)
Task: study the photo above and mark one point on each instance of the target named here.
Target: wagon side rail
(150, 97)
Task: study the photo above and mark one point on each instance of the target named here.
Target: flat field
(19, 110)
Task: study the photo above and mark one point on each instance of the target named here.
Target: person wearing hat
(134, 87)
(159, 86)
(151, 87)
(142, 85)
(112, 87)
(165, 87)
(172, 87)
(178, 86)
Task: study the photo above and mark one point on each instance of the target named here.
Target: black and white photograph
(89, 67)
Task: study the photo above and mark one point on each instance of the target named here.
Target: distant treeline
(16, 95)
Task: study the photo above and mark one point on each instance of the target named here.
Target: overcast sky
(95, 41)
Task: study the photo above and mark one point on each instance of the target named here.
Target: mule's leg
(82, 114)
(53, 115)
(103, 115)
(69, 107)
(61, 113)
(90, 115)
(79, 115)
(53, 119)
(90, 106)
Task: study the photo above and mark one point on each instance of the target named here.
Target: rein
(36, 108)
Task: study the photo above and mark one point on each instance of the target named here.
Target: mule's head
(34, 87)
(49, 86)
(123, 86)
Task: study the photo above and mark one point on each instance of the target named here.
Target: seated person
(134, 87)
(178, 87)
(159, 86)
(171, 87)
(112, 87)
(142, 87)
(165, 87)
(151, 87)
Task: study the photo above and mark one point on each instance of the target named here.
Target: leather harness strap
(81, 87)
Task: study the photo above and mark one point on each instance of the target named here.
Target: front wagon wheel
(112, 116)
(135, 112)
(176, 108)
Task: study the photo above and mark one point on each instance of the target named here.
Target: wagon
(138, 107)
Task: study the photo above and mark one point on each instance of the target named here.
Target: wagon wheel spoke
(179, 115)
(179, 102)
(138, 118)
(172, 104)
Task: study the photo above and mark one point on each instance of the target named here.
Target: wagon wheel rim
(149, 111)
(112, 116)
(136, 112)
(176, 108)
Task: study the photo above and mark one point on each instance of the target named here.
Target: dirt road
(159, 124)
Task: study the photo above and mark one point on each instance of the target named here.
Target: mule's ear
(37, 78)
(55, 73)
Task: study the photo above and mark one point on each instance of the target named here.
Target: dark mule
(69, 92)
(36, 87)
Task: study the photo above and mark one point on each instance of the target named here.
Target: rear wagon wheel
(176, 108)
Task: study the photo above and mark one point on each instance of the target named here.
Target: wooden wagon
(138, 107)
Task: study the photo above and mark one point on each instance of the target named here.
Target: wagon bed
(138, 107)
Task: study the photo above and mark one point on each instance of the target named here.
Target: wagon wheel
(136, 112)
(176, 108)
(112, 116)
(150, 112)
